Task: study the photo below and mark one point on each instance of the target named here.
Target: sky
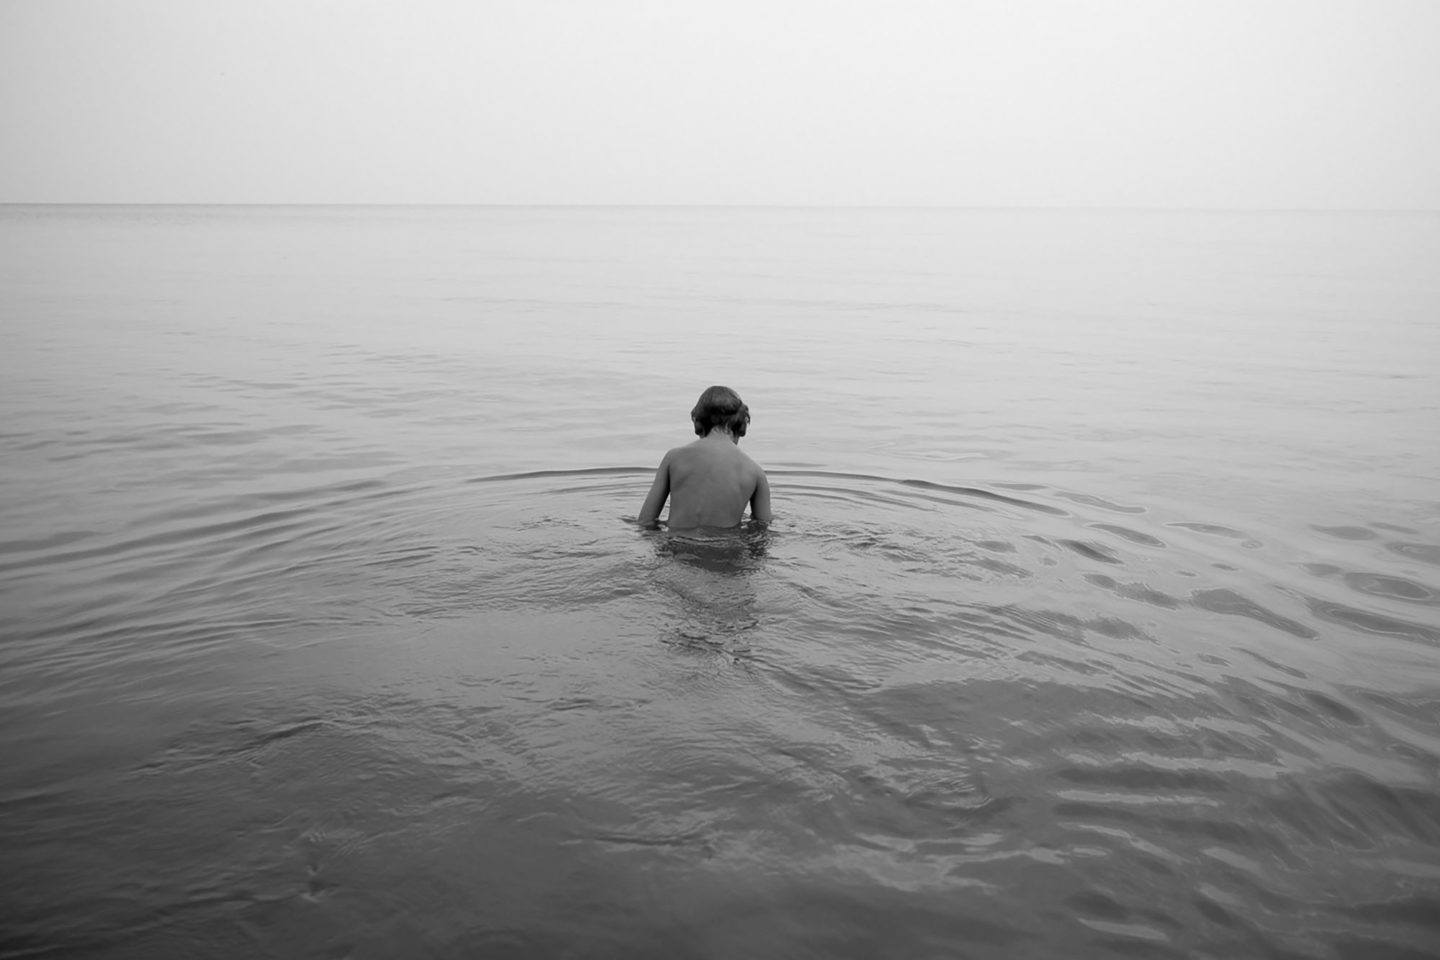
(1270, 104)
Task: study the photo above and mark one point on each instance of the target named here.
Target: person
(710, 481)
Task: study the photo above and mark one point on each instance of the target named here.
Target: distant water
(1100, 616)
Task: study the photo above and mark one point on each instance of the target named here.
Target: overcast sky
(1190, 103)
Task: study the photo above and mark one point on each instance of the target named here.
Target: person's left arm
(760, 499)
(659, 493)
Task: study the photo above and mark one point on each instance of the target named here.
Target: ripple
(1424, 552)
(1372, 808)
(1134, 591)
(1347, 533)
(1187, 820)
(1217, 529)
(1093, 551)
(986, 495)
(1333, 708)
(1134, 536)
(60, 538)
(1419, 909)
(1392, 588)
(1131, 776)
(548, 474)
(1393, 528)
(1090, 500)
(1373, 623)
(1230, 603)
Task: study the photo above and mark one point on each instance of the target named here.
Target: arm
(760, 500)
(659, 493)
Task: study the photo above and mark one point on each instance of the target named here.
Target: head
(720, 407)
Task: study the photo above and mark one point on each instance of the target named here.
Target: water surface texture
(1100, 616)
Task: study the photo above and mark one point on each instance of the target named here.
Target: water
(1099, 618)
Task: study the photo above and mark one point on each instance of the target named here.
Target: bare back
(710, 482)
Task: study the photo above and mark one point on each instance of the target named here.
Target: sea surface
(1100, 615)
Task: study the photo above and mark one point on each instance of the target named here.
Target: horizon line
(1129, 208)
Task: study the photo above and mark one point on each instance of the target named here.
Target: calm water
(1100, 616)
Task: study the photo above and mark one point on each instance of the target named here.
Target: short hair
(720, 407)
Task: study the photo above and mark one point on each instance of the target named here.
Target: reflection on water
(719, 550)
(709, 572)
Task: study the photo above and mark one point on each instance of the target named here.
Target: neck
(717, 435)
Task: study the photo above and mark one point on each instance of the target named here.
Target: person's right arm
(659, 493)
(760, 499)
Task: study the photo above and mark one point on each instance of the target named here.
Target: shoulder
(673, 456)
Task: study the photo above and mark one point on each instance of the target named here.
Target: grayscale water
(1100, 616)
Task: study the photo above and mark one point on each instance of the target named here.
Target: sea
(1099, 616)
